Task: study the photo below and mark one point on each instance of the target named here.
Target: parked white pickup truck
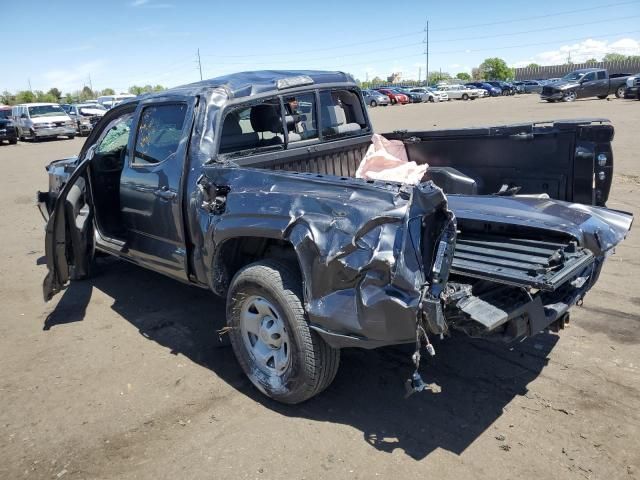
(459, 92)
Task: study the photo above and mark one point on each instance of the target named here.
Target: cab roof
(245, 84)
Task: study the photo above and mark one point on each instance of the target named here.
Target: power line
(536, 17)
(427, 42)
(501, 48)
(415, 33)
(545, 29)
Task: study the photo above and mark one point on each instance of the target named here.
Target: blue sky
(117, 44)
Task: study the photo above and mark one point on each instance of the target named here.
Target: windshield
(46, 111)
(573, 76)
(5, 113)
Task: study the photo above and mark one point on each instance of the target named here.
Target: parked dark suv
(8, 130)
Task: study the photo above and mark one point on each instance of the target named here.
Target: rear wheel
(373, 103)
(620, 92)
(465, 96)
(13, 141)
(71, 137)
(270, 336)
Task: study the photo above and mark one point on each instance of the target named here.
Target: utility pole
(426, 52)
(419, 74)
(199, 64)
(90, 84)
(29, 80)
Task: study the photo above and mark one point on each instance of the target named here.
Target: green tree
(436, 77)
(591, 60)
(45, 97)
(495, 69)
(533, 65)
(160, 88)
(86, 94)
(55, 93)
(68, 98)
(25, 96)
(463, 76)
(108, 91)
(375, 81)
(136, 90)
(614, 57)
(7, 98)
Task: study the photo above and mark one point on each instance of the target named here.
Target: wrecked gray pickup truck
(245, 185)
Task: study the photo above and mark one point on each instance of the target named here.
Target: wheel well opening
(236, 253)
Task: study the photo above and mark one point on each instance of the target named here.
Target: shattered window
(159, 133)
(117, 136)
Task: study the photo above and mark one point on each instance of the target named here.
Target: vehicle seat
(233, 139)
(334, 119)
(265, 118)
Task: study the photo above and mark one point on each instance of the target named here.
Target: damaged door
(69, 234)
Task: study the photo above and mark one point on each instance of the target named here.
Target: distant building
(394, 77)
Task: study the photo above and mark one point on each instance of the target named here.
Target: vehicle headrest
(231, 125)
(265, 118)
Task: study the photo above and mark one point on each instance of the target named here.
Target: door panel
(150, 187)
(69, 235)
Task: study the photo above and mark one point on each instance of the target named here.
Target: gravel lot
(123, 375)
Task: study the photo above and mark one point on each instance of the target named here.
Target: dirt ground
(123, 376)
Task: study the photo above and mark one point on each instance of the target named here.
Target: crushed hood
(596, 228)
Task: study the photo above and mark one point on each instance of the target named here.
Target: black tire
(602, 97)
(551, 100)
(13, 141)
(620, 91)
(71, 137)
(465, 97)
(312, 363)
(431, 100)
(570, 96)
(373, 103)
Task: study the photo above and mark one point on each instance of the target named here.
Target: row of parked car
(35, 121)
(392, 95)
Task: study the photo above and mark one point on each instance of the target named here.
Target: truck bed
(556, 158)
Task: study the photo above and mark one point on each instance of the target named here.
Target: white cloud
(150, 4)
(583, 51)
(71, 79)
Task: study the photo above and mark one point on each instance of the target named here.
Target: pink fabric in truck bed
(387, 160)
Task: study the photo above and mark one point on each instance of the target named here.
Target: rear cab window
(291, 120)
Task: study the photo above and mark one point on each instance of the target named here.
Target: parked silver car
(459, 92)
(85, 115)
(374, 98)
(431, 95)
(532, 86)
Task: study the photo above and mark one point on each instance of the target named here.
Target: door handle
(165, 193)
